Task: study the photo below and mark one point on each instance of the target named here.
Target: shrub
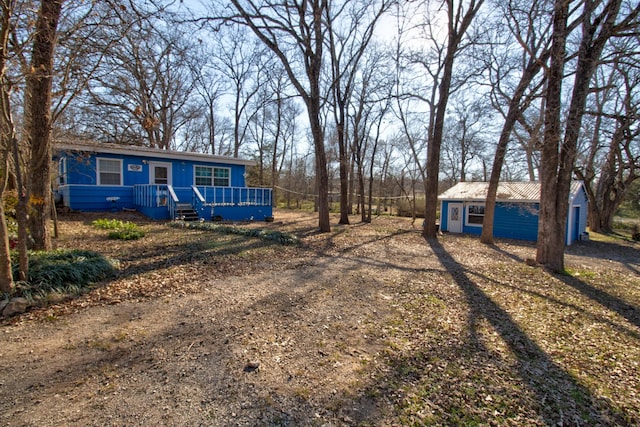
(62, 271)
(119, 229)
(108, 224)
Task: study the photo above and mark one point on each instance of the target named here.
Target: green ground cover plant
(277, 236)
(62, 271)
(118, 229)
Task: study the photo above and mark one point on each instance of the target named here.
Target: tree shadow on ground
(556, 390)
(625, 252)
(611, 302)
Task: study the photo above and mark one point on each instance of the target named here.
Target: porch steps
(185, 212)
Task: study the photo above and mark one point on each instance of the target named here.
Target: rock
(15, 306)
(251, 366)
(3, 304)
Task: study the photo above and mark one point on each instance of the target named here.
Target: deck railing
(173, 202)
(198, 201)
(151, 196)
(236, 196)
(156, 196)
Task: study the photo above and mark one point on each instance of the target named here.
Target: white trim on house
(213, 175)
(98, 171)
(152, 173)
(137, 151)
(467, 206)
(62, 171)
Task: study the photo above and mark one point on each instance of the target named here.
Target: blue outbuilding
(161, 184)
(516, 212)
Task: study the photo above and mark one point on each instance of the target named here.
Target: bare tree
(349, 32)
(437, 66)
(39, 83)
(529, 27)
(460, 15)
(463, 141)
(146, 79)
(296, 32)
(283, 128)
(610, 159)
(370, 103)
(600, 21)
(210, 86)
(7, 138)
(241, 59)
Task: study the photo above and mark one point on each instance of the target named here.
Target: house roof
(507, 191)
(134, 150)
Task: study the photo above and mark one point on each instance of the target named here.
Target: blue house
(161, 184)
(516, 212)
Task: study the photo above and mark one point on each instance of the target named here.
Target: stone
(16, 306)
(251, 366)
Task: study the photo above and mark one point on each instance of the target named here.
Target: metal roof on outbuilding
(507, 191)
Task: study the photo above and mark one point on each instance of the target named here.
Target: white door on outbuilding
(455, 218)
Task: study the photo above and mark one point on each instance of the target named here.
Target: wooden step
(185, 212)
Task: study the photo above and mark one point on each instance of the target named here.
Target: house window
(210, 176)
(109, 172)
(475, 215)
(62, 171)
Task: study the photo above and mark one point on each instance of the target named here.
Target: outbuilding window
(475, 214)
(109, 172)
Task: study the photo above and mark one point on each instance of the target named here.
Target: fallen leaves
(364, 325)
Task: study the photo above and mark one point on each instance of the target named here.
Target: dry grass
(367, 325)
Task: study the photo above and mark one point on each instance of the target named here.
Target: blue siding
(94, 198)
(516, 221)
(83, 170)
(444, 215)
(82, 193)
(511, 221)
(519, 220)
(577, 219)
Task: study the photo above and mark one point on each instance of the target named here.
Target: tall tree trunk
(343, 154)
(39, 83)
(550, 249)
(7, 284)
(435, 142)
(322, 174)
(274, 154)
(458, 23)
(7, 134)
(596, 31)
(22, 213)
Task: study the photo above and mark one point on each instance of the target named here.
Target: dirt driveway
(367, 325)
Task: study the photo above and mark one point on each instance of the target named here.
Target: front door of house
(455, 218)
(160, 175)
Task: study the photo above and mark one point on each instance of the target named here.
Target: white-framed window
(475, 214)
(209, 176)
(62, 171)
(109, 171)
